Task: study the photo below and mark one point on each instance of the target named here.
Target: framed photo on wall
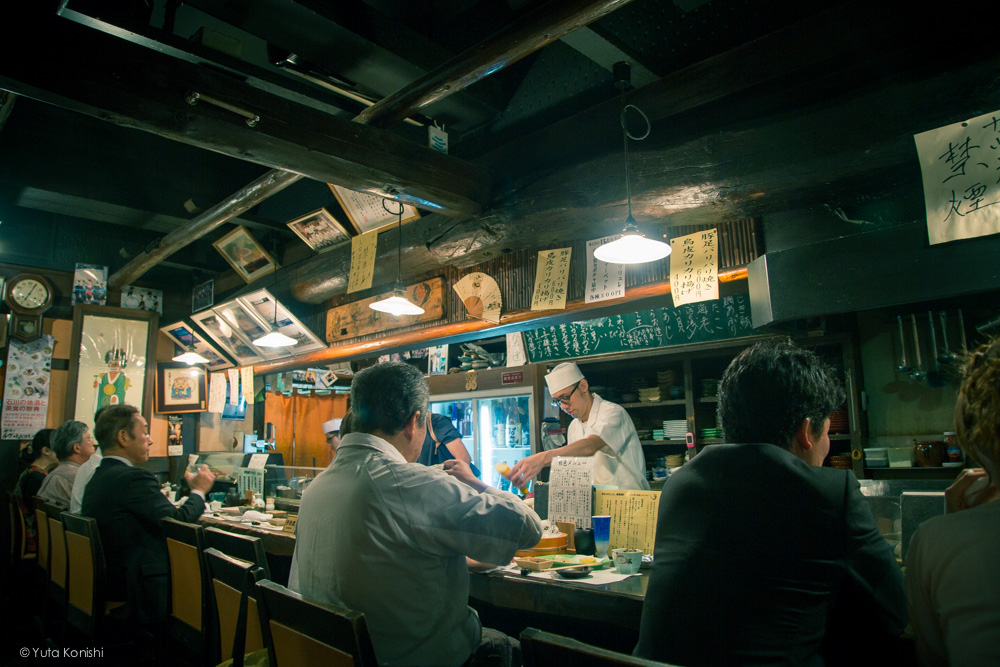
(230, 341)
(319, 230)
(203, 296)
(180, 388)
(262, 304)
(184, 335)
(247, 257)
(366, 213)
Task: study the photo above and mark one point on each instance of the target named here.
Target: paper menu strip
(551, 277)
(694, 268)
(633, 517)
(570, 489)
(363, 249)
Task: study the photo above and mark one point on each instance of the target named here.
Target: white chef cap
(562, 376)
(332, 426)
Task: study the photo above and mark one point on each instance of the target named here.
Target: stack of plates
(673, 461)
(877, 457)
(840, 462)
(709, 388)
(649, 395)
(838, 422)
(665, 380)
(675, 429)
(658, 434)
(710, 433)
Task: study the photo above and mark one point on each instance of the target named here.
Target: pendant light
(633, 247)
(190, 357)
(274, 338)
(397, 304)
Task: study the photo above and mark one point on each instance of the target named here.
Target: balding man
(600, 428)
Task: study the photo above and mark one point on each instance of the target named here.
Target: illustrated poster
(26, 388)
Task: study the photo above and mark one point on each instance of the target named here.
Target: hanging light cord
(399, 237)
(625, 137)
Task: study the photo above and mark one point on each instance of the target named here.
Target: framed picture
(263, 305)
(231, 342)
(242, 320)
(365, 211)
(247, 257)
(142, 298)
(184, 335)
(203, 296)
(319, 230)
(180, 388)
(90, 284)
(116, 348)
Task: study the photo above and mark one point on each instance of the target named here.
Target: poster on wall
(26, 388)
(90, 284)
(112, 363)
(141, 298)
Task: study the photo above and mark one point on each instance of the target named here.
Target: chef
(331, 430)
(600, 428)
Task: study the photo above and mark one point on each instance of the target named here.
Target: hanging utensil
(946, 356)
(918, 372)
(934, 378)
(961, 329)
(904, 365)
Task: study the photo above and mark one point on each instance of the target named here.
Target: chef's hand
(461, 471)
(955, 499)
(527, 469)
(202, 480)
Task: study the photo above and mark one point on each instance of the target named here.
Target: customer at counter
(85, 472)
(599, 428)
(73, 445)
(761, 555)
(952, 580)
(381, 535)
(126, 502)
(444, 443)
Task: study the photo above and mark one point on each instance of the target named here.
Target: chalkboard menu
(728, 317)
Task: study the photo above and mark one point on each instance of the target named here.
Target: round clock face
(29, 293)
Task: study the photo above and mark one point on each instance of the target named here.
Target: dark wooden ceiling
(756, 108)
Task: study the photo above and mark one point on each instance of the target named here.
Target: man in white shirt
(84, 474)
(600, 428)
(383, 535)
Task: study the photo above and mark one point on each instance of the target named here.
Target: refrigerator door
(504, 434)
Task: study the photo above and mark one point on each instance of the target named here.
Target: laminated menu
(633, 517)
(570, 485)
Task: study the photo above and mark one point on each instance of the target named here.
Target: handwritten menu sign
(551, 277)
(516, 355)
(217, 392)
(363, 249)
(633, 517)
(724, 318)
(960, 164)
(570, 489)
(694, 268)
(246, 381)
(234, 386)
(368, 212)
(604, 281)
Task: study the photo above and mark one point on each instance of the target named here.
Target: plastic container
(953, 451)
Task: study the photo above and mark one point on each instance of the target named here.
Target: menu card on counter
(257, 461)
(570, 489)
(633, 517)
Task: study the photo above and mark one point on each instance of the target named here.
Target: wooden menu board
(356, 318)
(724, 318)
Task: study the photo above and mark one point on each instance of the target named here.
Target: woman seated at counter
(952, 578)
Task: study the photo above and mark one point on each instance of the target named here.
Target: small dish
(573, 572)
(533, 564)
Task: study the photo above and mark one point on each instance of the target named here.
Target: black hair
(33, 452)
(112, 420)
(769, 389)
(385, 396)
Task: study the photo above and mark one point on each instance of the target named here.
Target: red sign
(512, 377)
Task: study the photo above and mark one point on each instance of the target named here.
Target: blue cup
(602, 534)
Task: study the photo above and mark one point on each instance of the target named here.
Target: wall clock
(28, 295)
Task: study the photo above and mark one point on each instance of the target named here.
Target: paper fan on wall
(481, 296)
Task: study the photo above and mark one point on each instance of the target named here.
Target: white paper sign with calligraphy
(516, 356)
(217, 392)
(363, 250)
(26, 388)
(694, 268)
(960, 164)
(604, 281)
(551, 278)
(570, 484)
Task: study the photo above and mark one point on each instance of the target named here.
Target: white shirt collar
(595, 407)
(120, 458)
(372, 442)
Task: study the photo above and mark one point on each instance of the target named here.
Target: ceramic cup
(602, 534)
(215, 505)
(627, 561)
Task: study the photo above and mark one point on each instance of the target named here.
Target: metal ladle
(961, 329)
(946, 357)
(934, 378)
(918, 372)
(904, 366)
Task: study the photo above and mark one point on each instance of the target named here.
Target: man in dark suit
(127, 504)
(762, 555)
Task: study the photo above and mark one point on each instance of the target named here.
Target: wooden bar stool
(190, 624)
(539, 648)
(244, 547)
(234, 584)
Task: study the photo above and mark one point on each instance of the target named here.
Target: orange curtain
(300, 418)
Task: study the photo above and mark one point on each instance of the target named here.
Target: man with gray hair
(383, 535)
(73, 446)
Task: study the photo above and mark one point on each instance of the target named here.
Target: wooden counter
(278, 546)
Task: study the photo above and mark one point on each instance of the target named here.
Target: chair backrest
(244, 547)
(234, 583)
(190, 596)
(301, 631)
(85, 590)
(57, 546)
(545, 648)
(42, 524)
(18, 532)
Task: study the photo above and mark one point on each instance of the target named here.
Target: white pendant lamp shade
(632, 248)
(190, 357)
(397, 304)
(275, 339)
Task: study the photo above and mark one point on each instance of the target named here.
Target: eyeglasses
(564, 400)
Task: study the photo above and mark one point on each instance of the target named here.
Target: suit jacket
(761, 558)
(127, 504)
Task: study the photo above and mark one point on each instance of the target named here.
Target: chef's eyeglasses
(564, 400)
